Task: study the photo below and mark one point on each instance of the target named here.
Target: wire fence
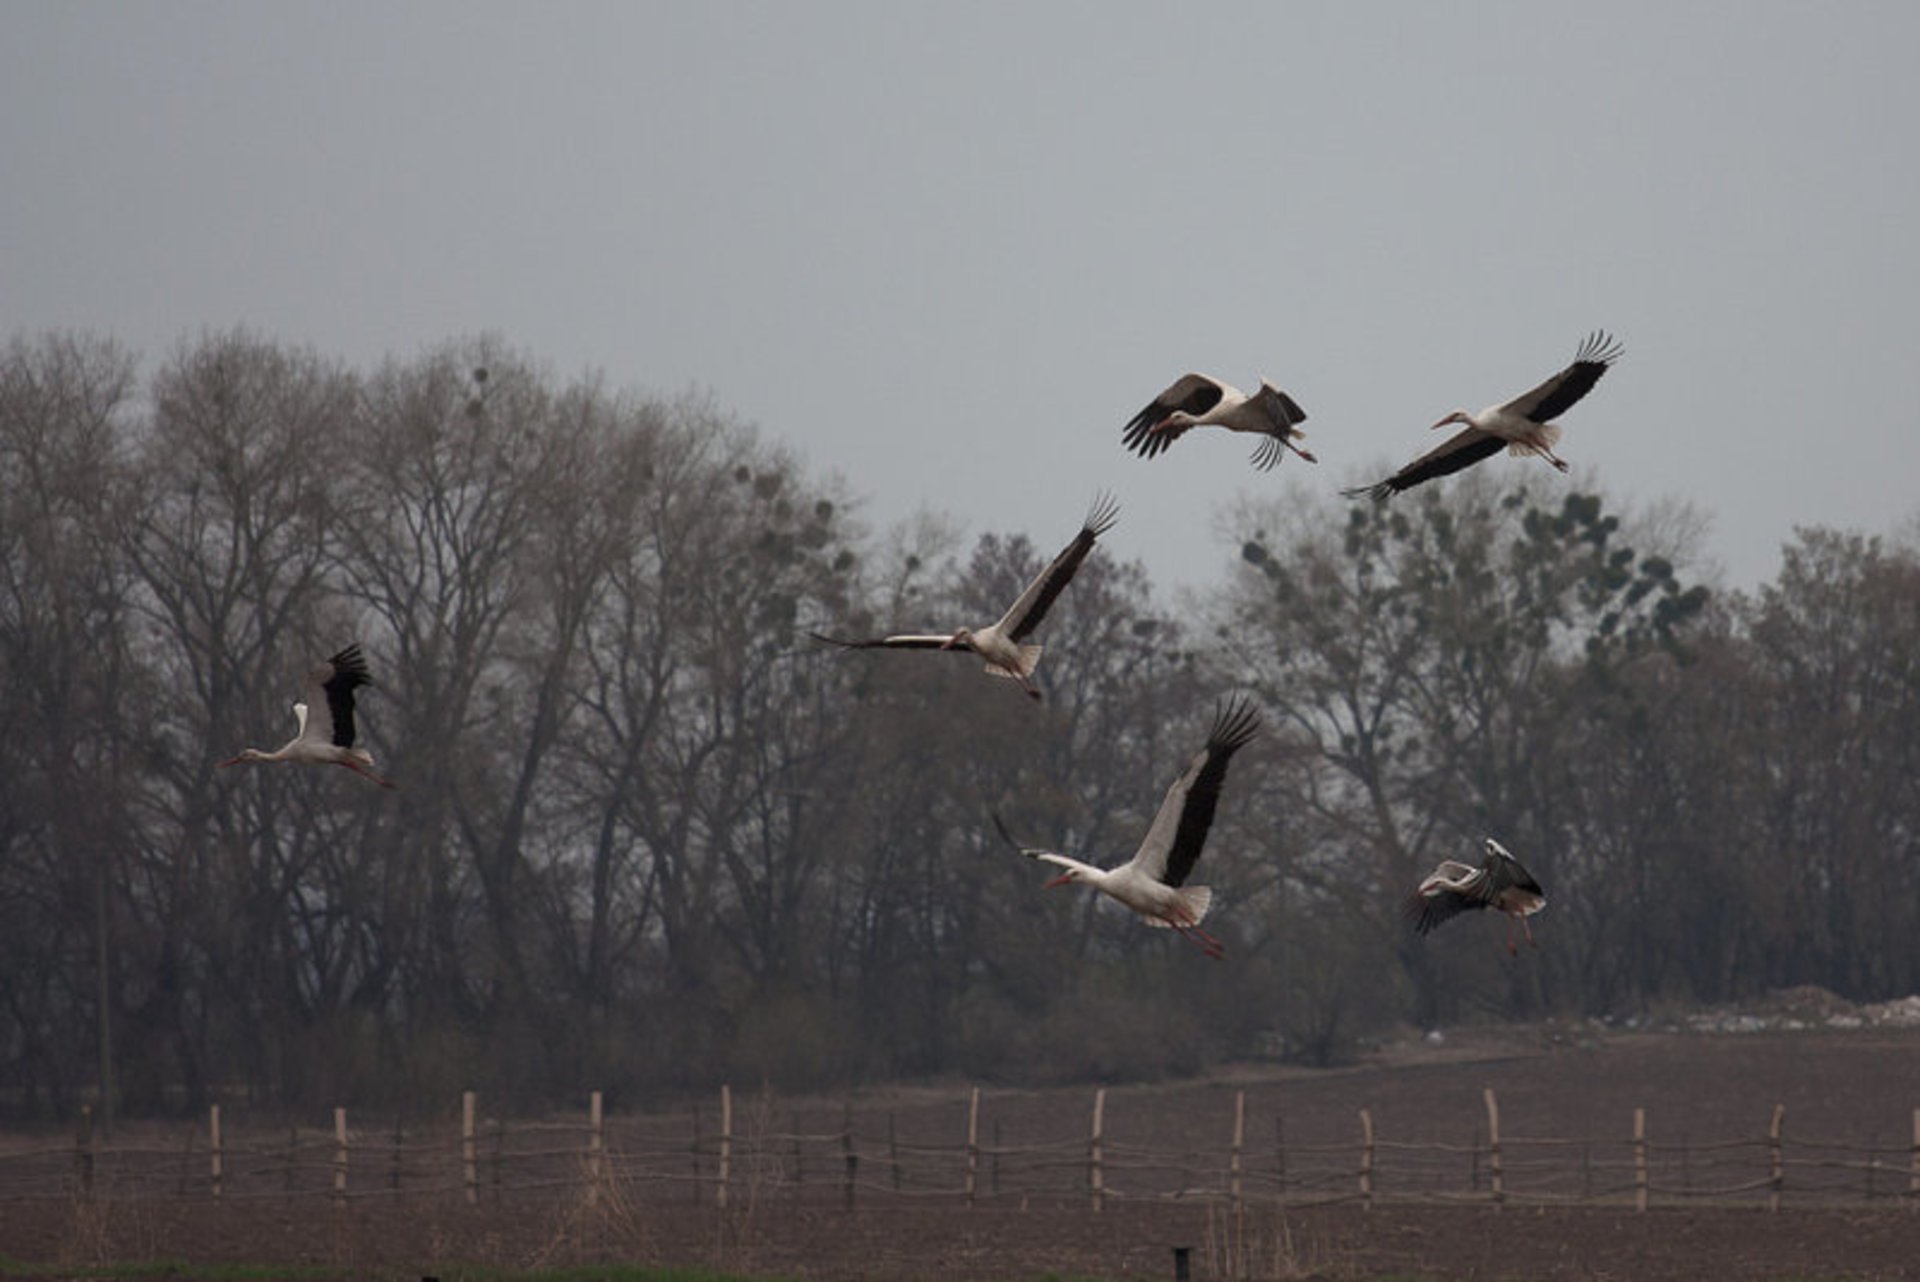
(745, 1161)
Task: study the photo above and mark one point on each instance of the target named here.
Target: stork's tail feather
(1549, 436)
(1029, 660)
(1195, 900)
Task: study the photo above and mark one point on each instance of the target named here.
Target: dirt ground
(952, 1244)
(1857, 1088)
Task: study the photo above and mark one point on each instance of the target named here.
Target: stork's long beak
(231, 761)
(1061, 880)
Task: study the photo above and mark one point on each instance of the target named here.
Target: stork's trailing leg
(364, 773)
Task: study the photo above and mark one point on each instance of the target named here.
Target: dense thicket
(648, 837)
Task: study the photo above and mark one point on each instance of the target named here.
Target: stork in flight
(1000, 643)
(1153, 882)
(1500, 882)
(1196, 400)
(326, 720)
(1523, 425)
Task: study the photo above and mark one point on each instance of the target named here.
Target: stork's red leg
(1201, 939)
(367, 774)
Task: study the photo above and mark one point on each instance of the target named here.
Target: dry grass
(1260, 1246)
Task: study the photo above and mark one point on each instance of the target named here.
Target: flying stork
(1523, 425)
(1000, 643)
(326, 720)
(1500, 882)
(1153, 882)
(1196, 400)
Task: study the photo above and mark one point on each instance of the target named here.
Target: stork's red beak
(231, 761)
(1061, 880)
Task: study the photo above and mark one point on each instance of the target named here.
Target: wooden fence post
(893, 1152)
(726, 1141)
(214, 1172)
(596, 1144)
(973, 1144)
(339, 1156)
(1496, 1174)
(293, 1152)
(1773, 1151)
(847, 1151)
(1639, 1159)
(1366, 1159)
(1095, 1176)
(469, 1155)
(83, 1152)
(1239, 1141)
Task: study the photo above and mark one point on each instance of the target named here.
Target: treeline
(648, 836)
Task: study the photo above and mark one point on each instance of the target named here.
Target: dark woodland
(649, 837)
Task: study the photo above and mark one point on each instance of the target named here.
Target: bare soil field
(1839, 1087)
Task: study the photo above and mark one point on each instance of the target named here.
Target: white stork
(1500, 882)
(1196, 400)
(326, 733)
(1153, 882)
(1523, 425)
(1000, 643)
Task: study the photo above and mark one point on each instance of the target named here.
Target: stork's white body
(1001, 643)
(1153, 882)
(1522, 425)
(313, 749)
(326, 731)
(1201, 400)
(1500, 882)
(1139, 889)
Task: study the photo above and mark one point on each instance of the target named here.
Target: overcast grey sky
(946, 250)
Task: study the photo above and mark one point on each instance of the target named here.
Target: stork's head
(246, 754)
(960, 637)
(1066, 878)
(1458, 416)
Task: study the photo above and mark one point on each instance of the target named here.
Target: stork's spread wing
(1190, 393)
(1563, 391)
(330, 698)
(1180, 826)
(1286, 416)
(1461, 450)
(1027, 613)
(1452, 888)
(1280, 408)
(1505, 874)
